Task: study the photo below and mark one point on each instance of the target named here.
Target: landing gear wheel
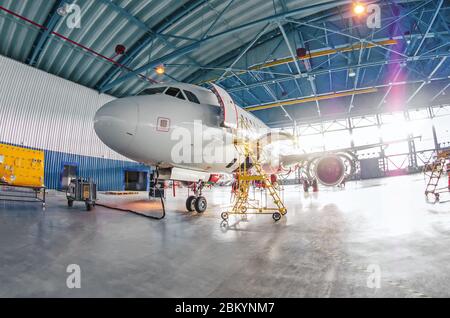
(201, 204)
(224, 216)
(190, 203)
(70, 203)
(276, 216)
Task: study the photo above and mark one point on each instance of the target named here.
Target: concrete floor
(321, 249)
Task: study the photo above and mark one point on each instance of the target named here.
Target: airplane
(156, 127)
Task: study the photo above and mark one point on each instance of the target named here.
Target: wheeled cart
(82, 190)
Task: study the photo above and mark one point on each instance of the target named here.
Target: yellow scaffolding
(249, 160)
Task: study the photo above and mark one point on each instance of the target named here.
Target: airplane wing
(273, 137)
(289, 160)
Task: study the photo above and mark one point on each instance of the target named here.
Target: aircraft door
(229, 110)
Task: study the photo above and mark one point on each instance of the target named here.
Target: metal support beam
(311, 99)
(141, 25)
(219, 16)
(345, 35)
(146, 39)
(429, 26)
(193, 46)
(390, 88)
(317, 53)
(42, 39)
(249, 46)
(442, 91)
(291, 51)
(294, 58)
(364, 90)
(284, 78)
(426, 82)
(435, 138)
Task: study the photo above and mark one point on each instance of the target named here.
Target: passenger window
(191, 97)
(153, 91)
(175, 92)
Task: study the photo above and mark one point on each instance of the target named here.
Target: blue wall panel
(107, 173)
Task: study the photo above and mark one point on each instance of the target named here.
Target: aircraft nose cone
(115, 124)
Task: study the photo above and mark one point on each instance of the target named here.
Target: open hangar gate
(360, 87)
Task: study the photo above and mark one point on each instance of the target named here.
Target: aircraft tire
(201, 204)
(190, 203)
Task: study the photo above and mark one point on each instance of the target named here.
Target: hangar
(322, 168)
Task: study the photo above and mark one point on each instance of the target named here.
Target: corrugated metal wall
(43, 111)
(108, 174)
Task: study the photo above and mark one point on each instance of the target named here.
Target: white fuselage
(149, 128)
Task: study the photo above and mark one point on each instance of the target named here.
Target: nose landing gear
(201, 204)
(197, 202)
(190, 203)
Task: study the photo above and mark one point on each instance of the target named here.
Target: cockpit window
(192, 97)
(153, 91)
(175, 92)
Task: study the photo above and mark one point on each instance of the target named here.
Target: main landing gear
(197, 202)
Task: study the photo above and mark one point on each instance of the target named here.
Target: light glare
(359, 8)
(160, 70)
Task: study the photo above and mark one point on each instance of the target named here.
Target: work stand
(16, 193)
(249, 160)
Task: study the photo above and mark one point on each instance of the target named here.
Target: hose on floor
(138, 213)
(143, 214)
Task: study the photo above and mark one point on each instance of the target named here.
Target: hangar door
(68, 172)
(135, 180)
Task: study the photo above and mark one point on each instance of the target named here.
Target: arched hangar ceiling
(285, 60)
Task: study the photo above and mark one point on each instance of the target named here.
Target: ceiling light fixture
(160, 69)
(359, 8)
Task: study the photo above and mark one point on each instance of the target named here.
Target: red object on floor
(305, 185)
(448, 173)
(315, 186)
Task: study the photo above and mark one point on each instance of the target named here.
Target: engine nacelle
(330, 170)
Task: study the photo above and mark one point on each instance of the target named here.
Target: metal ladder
(437, 168)
(266, 181)
(245, 179)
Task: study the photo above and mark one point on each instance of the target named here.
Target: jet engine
(330, 170)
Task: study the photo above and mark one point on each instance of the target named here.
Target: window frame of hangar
(177, 95)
